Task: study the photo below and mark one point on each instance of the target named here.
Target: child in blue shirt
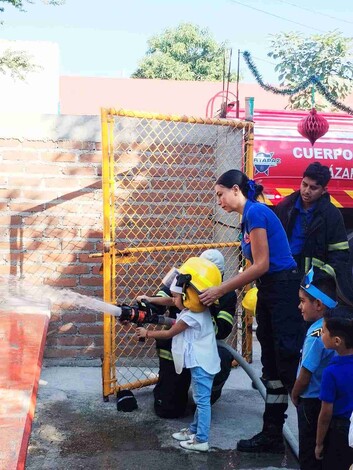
(317, 294)
(336, 392)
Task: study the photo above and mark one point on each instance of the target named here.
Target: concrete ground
(74, 429)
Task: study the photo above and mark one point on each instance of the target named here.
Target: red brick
(73, 352)
(58, 258)
(78, 245)
(81, 171)
(81, 317)
(74, 341)
(62, 282)
(58, 157)
(73, 269)
(84, 258)
(90, 157)
(91, 281)
(90, 329)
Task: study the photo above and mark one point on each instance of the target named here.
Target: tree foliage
(18, 63)
(325, 56)
(186, 52)
(19, 4)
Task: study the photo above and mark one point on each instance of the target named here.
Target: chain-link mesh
(159, 209)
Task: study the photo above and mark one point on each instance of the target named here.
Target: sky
(109, 37)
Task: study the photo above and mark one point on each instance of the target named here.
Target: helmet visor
(170, 277)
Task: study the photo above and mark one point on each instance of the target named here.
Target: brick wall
(51, 219)
(51, 213)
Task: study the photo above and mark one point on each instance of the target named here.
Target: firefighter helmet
(250, 299)
(202, 275)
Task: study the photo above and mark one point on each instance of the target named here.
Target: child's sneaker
(194, 445)
(183, 435)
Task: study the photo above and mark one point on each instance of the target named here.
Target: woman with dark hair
(280, 329)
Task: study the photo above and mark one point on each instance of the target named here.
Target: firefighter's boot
(270, 439)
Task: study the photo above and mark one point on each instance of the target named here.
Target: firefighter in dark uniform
(316, 231)
(172, 390)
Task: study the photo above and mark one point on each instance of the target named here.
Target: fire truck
(281, 155)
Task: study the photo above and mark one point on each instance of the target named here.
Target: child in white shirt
(193, 347)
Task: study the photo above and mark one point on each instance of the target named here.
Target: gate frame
(110, 253)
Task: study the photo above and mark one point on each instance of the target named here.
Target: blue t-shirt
(301, 226)
(315, 358)
(258, 215)
(337, 385)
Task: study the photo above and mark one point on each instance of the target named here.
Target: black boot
(270, 440)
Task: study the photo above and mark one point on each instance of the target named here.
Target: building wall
(51, 211)
(86, 95)
(51, 220)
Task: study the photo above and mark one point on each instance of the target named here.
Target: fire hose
(144, 312)
(141, 313)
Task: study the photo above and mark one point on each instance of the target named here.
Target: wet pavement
(74, 429)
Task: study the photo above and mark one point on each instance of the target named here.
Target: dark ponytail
(248, 187)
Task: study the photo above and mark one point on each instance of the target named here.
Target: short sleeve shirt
(337, 385)
(258, 215)
(315, 358)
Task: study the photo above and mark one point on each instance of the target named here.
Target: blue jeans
(201, 390)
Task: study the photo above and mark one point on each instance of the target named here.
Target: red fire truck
(281, 155)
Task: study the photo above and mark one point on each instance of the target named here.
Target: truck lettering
(322, 153)
(328, 154)
(341, 173)
(318, 153)
(336, 153)
(347, 154)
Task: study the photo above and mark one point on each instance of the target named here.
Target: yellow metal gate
(159, 209)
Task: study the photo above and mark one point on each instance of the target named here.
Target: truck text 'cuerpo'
(281, 155)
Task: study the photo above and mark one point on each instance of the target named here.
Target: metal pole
(237, 90)
(228, 80)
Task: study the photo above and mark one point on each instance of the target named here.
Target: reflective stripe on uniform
(273, 384)
(325, 267)
(225, 316)
(161, 293)
(215, 326)
(307, 264)
(338, 246)
(276, 399)
(165, 354)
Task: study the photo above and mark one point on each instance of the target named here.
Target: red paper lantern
(313, 126)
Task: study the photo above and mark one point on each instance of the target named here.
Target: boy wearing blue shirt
(336, 392)
(317, 293)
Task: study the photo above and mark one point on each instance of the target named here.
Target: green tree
(186, 52)
(19, 63)
(325, 56)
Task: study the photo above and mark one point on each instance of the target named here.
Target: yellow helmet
(204, 274)
(250, 299)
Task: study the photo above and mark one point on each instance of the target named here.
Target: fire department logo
(246, 238)
(263, 162)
